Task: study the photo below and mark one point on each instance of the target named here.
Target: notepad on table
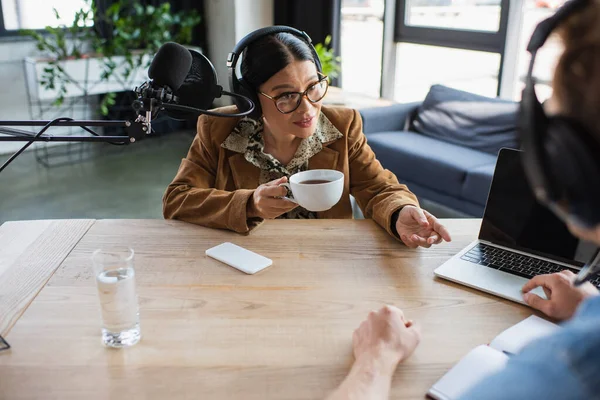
(485, 360)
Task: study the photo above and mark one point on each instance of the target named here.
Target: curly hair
(576, 80)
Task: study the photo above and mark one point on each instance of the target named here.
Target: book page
(478, 364)
(512, 340)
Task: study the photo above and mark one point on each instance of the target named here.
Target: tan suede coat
(213, 184)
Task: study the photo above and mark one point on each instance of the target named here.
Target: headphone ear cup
(569, 151)
(238, 86)
(533, 126)
(248, 92)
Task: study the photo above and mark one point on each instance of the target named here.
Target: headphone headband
(545, 28)
(239, 86)
(237, 51)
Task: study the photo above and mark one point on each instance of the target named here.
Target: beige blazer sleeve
(192, 196)
(377, 190)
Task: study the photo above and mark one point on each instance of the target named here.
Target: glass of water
(115, 277)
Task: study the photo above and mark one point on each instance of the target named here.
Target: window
(457, 43)
(462, 24)
(361, 46)
(475, 15)
(37, 14)
(420, 66)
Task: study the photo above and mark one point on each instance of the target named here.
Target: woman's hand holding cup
(267, 201)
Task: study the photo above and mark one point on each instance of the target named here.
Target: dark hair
(576, 81)
(270, 54)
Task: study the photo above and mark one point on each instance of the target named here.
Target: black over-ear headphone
(238, 85)
(561, 159)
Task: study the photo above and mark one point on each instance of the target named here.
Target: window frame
(464, 39)
(3, 31)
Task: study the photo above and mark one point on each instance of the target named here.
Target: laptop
(519, 239)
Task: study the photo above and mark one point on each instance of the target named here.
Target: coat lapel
(245, 175)
(325, 159)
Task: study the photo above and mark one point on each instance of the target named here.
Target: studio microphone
(183, 83)
(170, 66)
(167, 72)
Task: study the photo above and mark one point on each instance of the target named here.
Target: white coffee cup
(317, 189)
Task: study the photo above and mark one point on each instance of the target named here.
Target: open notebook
(485, 360)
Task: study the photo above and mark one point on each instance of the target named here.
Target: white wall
(252, 15)
(227, 22)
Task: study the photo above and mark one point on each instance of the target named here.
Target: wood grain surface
(212, 332)
(30, 252)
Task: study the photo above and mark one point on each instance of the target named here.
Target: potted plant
(79, 61)
(330, 63)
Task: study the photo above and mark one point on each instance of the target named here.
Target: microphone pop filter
(199, 88)
(170, 65)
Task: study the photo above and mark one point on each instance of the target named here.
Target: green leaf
(59, 101)
(139, 9)
(331, 64)
(132, 25)
(114, 9)
(108, 100)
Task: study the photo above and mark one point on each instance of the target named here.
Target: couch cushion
(462, 205)
(481, 123)
(477, 183)
(430, 162)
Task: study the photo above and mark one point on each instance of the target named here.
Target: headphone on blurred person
(561, 159)
(241, 87)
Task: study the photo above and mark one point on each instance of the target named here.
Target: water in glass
(115, 278)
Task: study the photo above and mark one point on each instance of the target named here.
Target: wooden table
(212, 332)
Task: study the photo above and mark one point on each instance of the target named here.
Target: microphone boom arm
(145, 107)
(135, 131)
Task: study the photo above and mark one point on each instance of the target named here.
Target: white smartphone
(238, 257)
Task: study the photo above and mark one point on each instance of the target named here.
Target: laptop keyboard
(515, 263)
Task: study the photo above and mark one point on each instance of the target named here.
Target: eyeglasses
(290, 101)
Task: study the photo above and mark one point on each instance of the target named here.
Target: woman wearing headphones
(232, 174)
(561, 158)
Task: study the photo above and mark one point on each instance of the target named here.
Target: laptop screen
(513, 217)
